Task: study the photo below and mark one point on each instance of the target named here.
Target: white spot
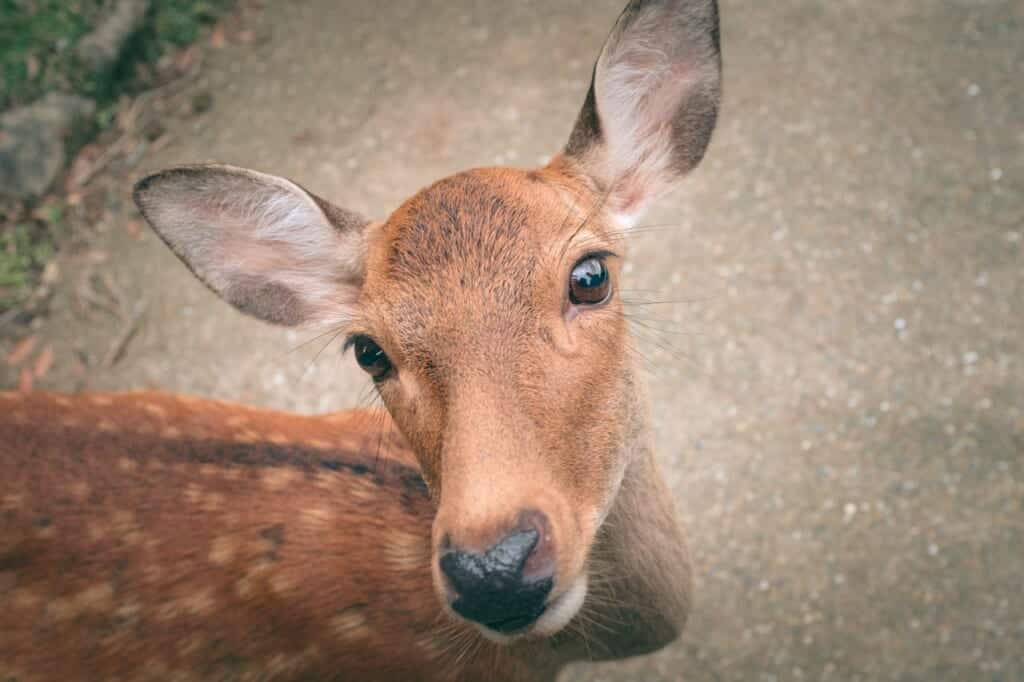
(154, 409)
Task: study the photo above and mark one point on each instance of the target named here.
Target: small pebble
(202, 102)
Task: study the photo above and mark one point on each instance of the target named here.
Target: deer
(502, 516)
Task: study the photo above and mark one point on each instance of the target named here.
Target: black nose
(491, 588)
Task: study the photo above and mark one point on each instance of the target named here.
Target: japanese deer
(512, 521)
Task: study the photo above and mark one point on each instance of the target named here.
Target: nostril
(464, 570)
(541, 560)
(510, 555)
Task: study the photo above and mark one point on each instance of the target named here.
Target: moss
(38, 41)
(25, 248)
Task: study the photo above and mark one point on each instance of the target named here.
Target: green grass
(25, 248)
(38, 39)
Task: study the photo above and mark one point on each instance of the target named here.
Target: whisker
(338, 332)
(667, 301)
(586, 220)
(319, 336)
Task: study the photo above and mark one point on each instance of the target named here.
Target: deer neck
(640, 578)
(648, 582)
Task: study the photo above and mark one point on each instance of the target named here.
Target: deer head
(486, 311)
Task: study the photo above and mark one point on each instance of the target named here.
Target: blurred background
(831, 309)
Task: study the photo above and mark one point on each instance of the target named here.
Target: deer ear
(260, 242)
(652, 103)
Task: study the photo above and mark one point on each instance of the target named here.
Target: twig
(136, 115)
(128, 330)
(102, 161)
(85, 292)
(8, 316)
(116, 295)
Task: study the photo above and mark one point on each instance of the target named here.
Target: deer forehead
(494, 223)
(480, 253)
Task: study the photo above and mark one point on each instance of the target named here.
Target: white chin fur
(557, 616)
(562, 610)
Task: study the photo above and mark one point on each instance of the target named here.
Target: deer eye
(370, 357)
(589, 283)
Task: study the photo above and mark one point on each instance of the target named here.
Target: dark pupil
(370, 357)
(589, 274)
(589, 282)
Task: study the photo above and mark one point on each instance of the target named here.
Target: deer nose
(494, 588)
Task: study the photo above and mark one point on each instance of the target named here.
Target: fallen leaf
(134, 229)
(21, 350)
(44, 361)
(126, 113)
(145, 75)
(25, 380)
(161, 142)
(217, 37)
(50, 273)
(32, 66)
(81, 166)
(246, 36)
(184, 59)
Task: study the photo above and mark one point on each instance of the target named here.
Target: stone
(32, 143)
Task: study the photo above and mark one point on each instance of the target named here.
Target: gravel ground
(838, 376)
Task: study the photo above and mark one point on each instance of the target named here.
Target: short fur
(156, 537)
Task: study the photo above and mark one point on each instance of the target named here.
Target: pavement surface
(839, 379)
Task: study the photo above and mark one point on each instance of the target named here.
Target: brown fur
(153, 537)
(474, 317)
(145, 536)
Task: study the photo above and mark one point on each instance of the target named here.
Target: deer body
(503, 517)
(148, 536)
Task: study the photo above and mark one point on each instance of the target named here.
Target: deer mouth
(541, 622)
(562, 608)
